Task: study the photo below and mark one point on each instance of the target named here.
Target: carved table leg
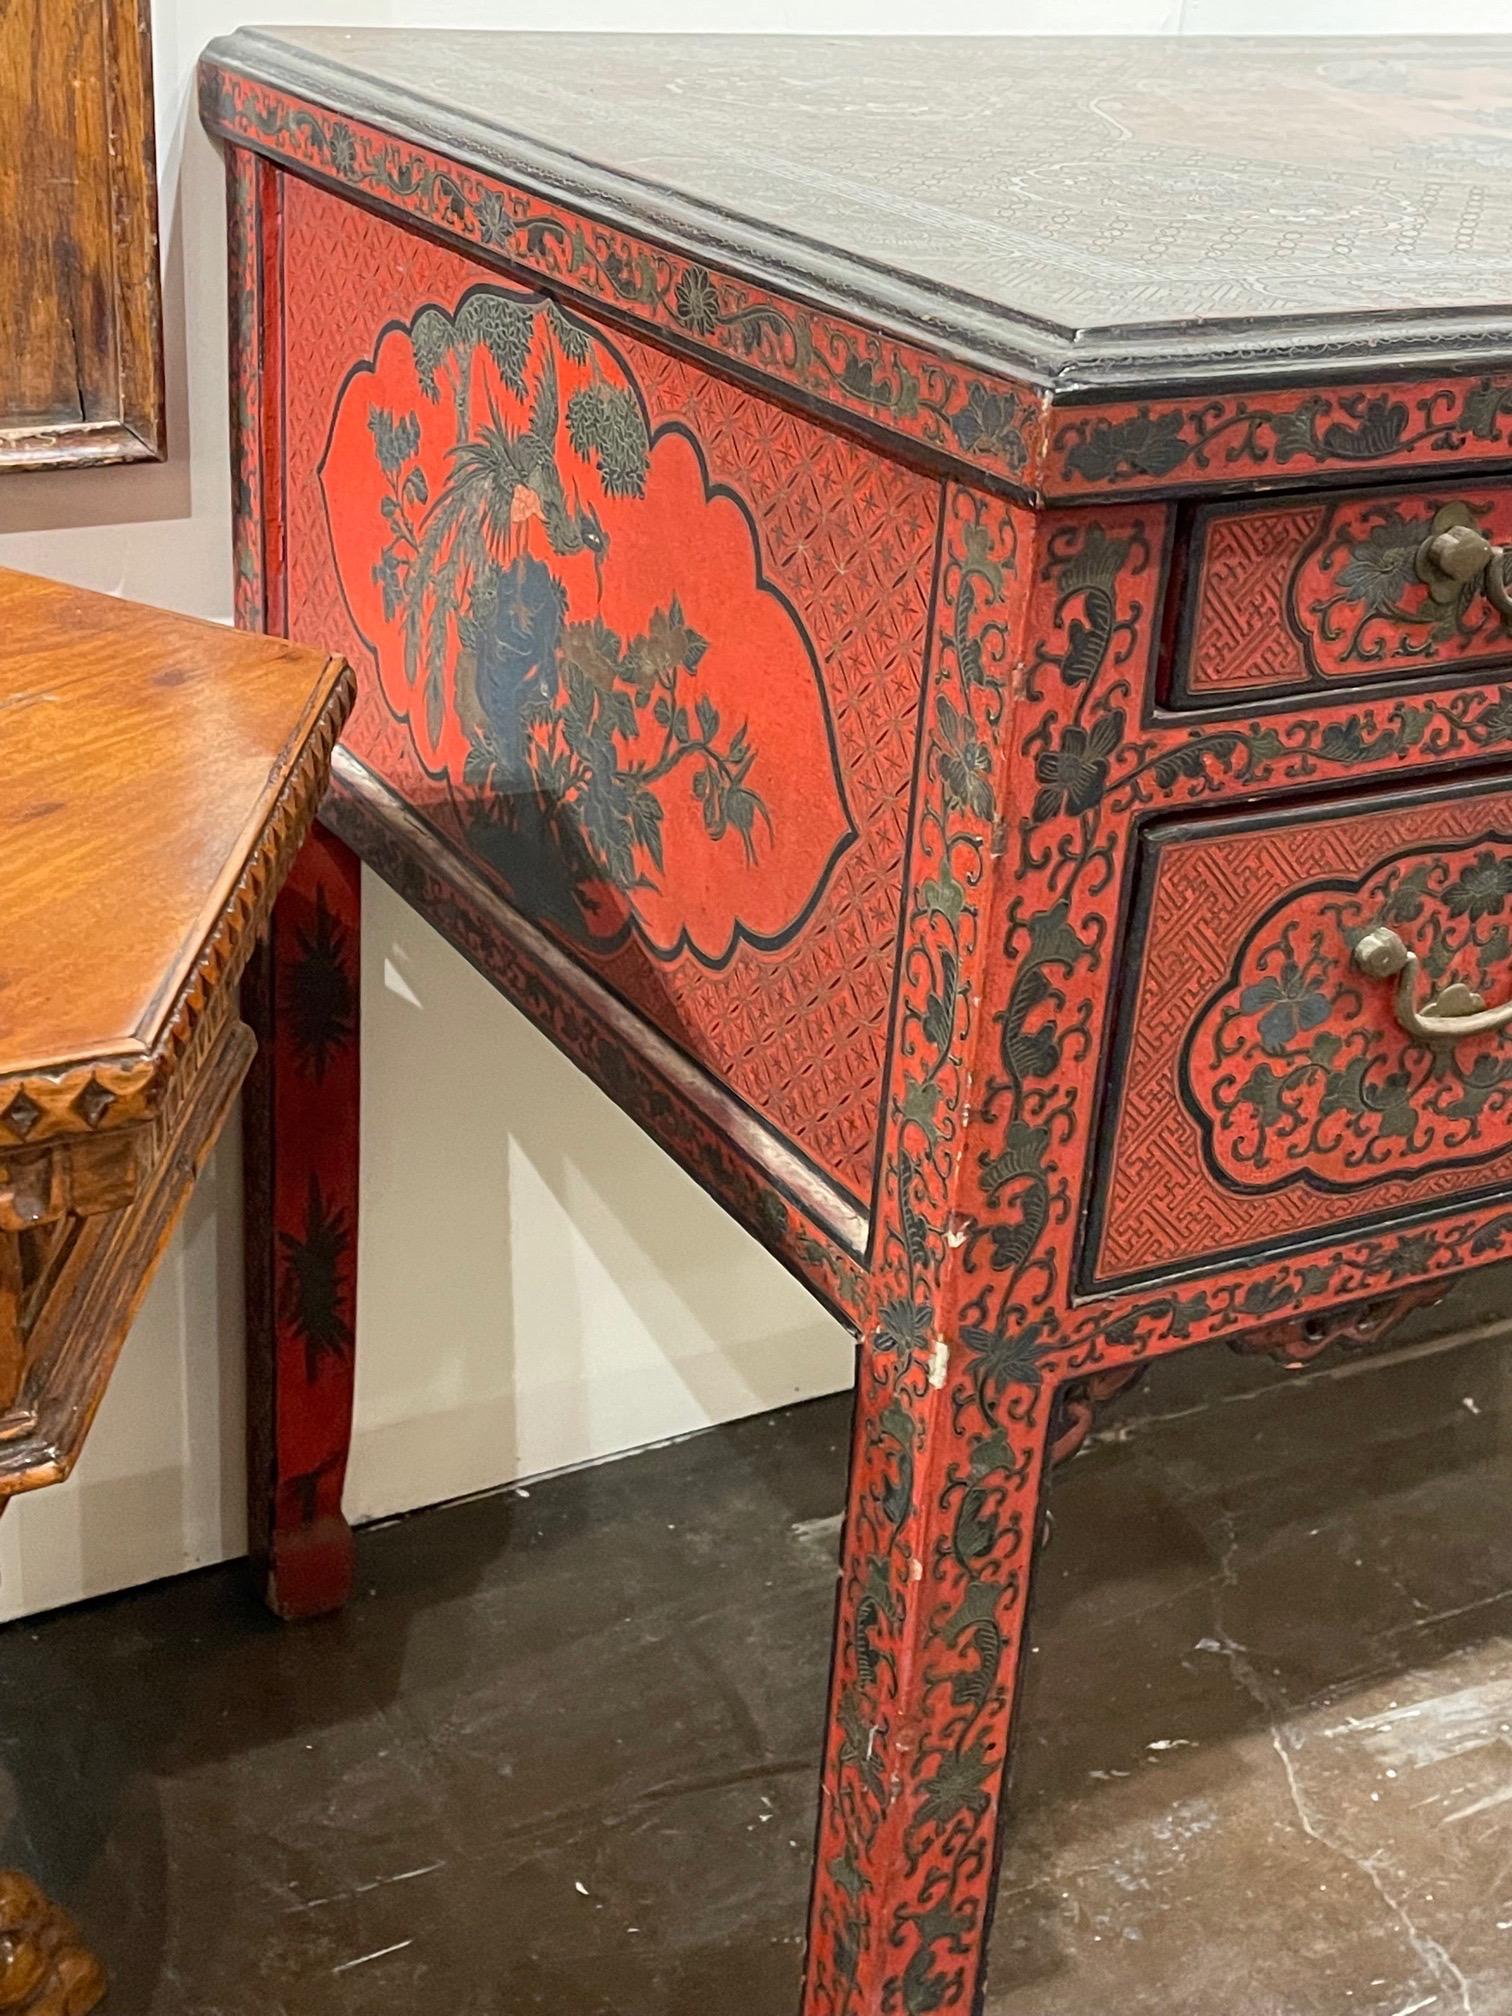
(301, 1143)
(945, 1491)
(45, 1968)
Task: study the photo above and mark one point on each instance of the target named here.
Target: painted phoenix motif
(565, 609)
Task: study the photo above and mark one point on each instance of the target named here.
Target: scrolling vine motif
(1143, 444)
(1299, 1075)
(990, 421)
(987, 419)
(976, 1324)
(1094, 768)
(1367, 601)
(943, 1449)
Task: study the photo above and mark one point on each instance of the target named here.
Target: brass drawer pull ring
(1458, 1011)
(1457, 554)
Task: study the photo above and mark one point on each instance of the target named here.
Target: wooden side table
(159, 776)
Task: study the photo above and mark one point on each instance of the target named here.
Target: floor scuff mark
(383, 1953)
(1439, 1963)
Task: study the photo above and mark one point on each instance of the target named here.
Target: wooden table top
(146, 757)
(1108, 204)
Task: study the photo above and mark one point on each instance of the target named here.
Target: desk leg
(301, 1139)
(943, 1518)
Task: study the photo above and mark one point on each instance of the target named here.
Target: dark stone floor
(560, 1754)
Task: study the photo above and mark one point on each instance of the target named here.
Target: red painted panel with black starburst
(301, 1202)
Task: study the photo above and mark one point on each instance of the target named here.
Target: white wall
(538, 1285)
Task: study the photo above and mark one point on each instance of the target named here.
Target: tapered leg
(947, 1472)
(301, 1142)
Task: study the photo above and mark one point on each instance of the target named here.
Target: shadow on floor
(560, 1754)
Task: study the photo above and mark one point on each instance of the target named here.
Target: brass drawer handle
(1457, 555)
(1458, 1011)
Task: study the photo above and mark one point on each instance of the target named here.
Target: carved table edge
(80, 1333)
(98, 1095)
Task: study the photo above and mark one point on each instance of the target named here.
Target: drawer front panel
(1299, 593)
(643, 650)
(1262, 1089)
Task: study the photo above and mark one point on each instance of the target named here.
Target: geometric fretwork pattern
(851, 538)
(1240, 636)
(1308, 592)
(848, 537)
(1214, 1024)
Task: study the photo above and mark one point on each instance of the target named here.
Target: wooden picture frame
(80, 298)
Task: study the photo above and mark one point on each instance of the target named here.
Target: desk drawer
(1296, 593)
(1262, 1090)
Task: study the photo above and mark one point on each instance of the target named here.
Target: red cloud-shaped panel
(571, 619)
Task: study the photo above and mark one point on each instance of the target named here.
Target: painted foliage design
(1308, 590)
(948, 1448)
(849, 538)
(1258, 1088)
(973, 1320)
(977, 1324)
(1096, 763)
(1360, 599)
(987, 419)
(1140, 445)
(1298, 1068)
(566, 614)
(989, 422)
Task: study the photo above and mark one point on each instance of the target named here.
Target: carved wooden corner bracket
(1293, 1343)
(1076, 1405)
(1298, 1342)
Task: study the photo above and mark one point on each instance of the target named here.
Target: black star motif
(319, 997)
(314, 1289)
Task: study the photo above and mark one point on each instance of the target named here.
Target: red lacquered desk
(935, 613)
